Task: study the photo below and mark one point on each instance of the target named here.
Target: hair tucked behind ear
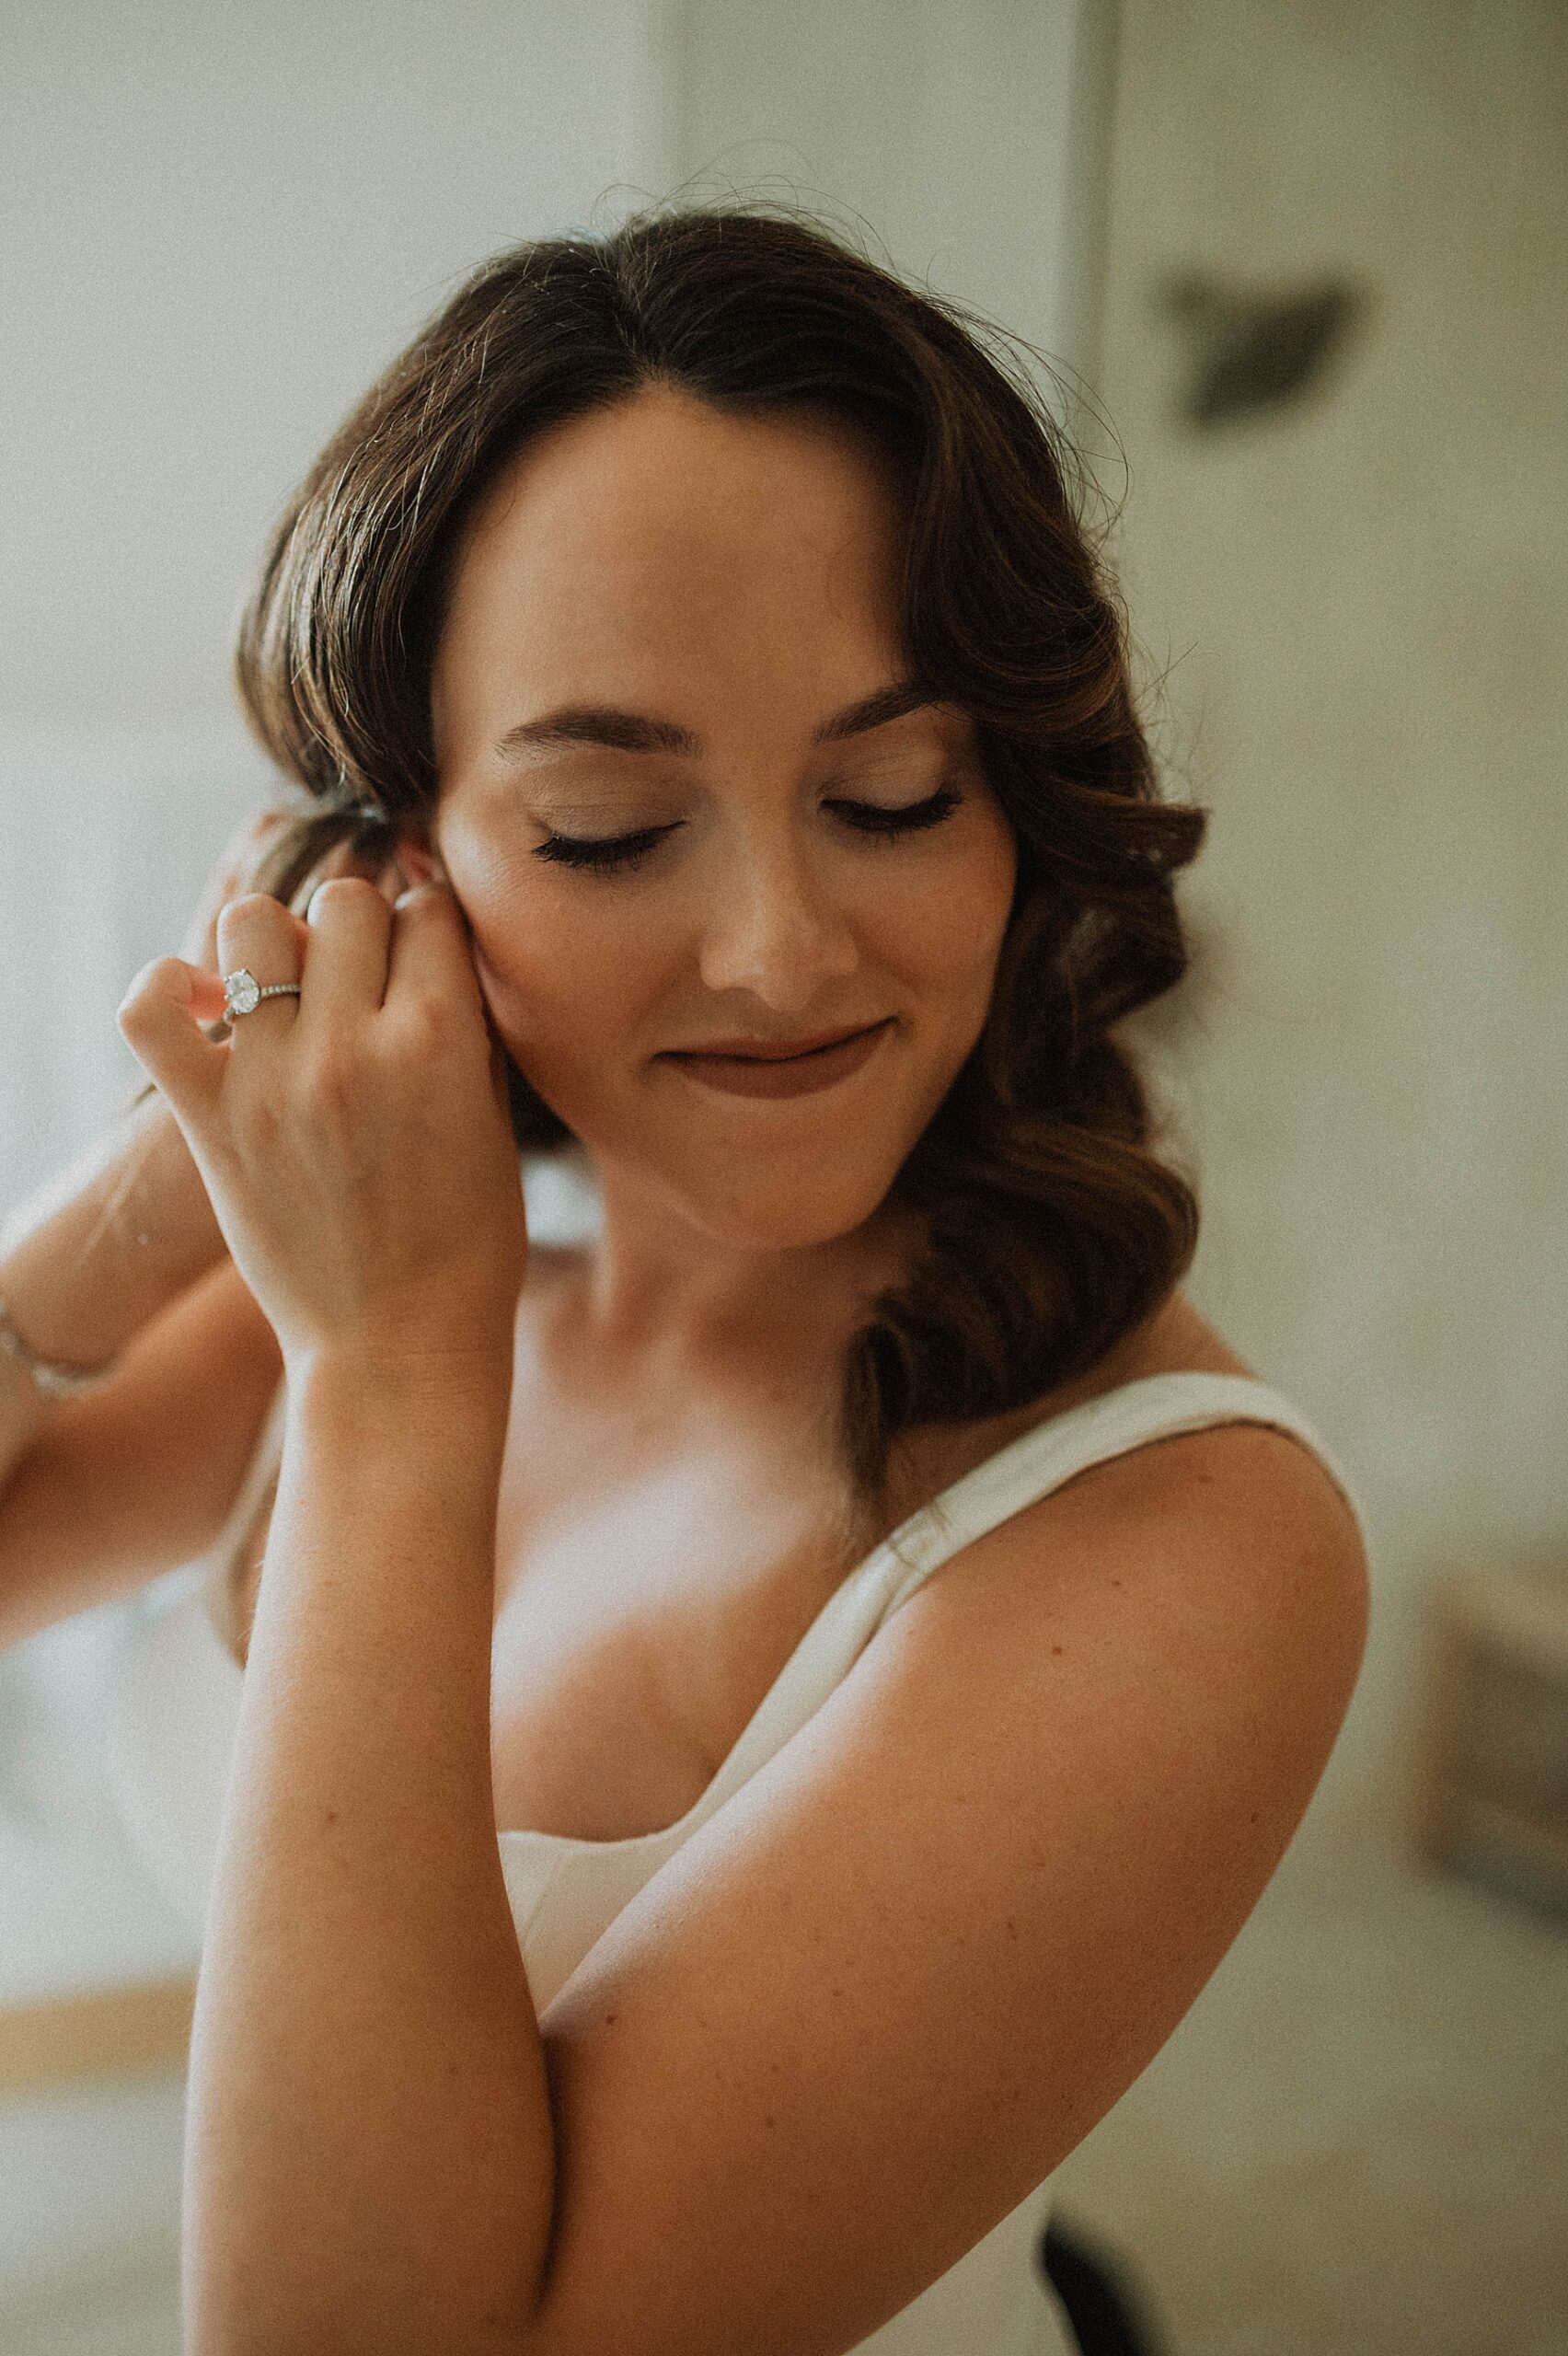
(1049, 1225)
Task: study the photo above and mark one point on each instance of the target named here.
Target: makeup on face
(702, 806)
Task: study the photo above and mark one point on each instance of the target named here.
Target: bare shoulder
(1229, 1553)
(1231, 1550)
(1246, 1510)
(1231, 1493)
(1248, 1487)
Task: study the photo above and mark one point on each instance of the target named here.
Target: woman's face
(663, 623)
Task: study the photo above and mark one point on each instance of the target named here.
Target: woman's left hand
(354, 1140)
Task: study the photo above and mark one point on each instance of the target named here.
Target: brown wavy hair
(1049, 1225)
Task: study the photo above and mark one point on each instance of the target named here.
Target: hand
(171, 1187)
(355, 1141)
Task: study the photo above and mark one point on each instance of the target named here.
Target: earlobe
(418, 863)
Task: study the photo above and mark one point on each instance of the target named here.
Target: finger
(430, 947)
(258, 934)
(158, 1019)
(348, 921)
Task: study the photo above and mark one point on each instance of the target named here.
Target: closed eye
(609, 854)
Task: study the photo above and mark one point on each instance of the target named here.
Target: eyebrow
(635, 732)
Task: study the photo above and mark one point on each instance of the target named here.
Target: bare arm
(140, 1475)
(369, 2155)
(107, 1490)
(95, 1252)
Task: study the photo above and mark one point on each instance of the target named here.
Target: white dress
(172, 1737)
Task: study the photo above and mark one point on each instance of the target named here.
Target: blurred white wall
(218, 226)
(968, 135)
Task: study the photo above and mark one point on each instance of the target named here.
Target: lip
(760, 1051)
(798, 1075)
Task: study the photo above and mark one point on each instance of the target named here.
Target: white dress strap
(1159, 1406)
(1155, 1407)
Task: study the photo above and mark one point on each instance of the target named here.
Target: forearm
(94, 1254)
(370, 2161)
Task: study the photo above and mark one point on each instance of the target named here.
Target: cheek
(533, 946)
(951, 942)
(517, 951)
(529, 972)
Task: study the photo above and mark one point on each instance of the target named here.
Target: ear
(418, 862)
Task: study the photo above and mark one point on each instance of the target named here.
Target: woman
(650, 1912)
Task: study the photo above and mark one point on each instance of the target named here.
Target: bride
(750, 1730)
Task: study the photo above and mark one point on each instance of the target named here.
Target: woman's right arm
(121, 1258)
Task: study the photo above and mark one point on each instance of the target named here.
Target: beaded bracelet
(47, 1376)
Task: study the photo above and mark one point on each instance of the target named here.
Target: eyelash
(617, 852)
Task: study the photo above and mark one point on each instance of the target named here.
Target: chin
(777, 1208)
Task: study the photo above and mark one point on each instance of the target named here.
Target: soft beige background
(1357, 610)
(1360, 607)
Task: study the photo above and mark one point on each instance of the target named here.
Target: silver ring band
(243, 993)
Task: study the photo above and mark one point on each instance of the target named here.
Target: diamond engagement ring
(243, 993)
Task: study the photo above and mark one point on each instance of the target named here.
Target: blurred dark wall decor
(1250, 351)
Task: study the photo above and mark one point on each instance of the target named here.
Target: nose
(773, 927)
